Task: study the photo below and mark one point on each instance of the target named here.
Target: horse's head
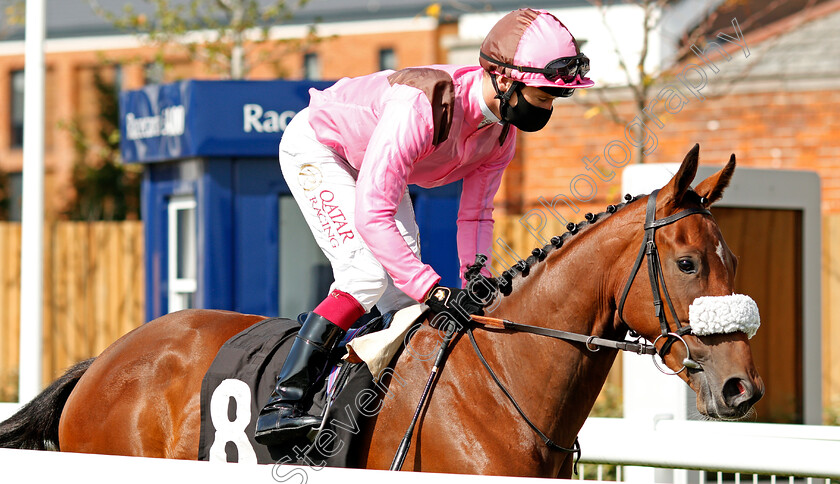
(693, 262)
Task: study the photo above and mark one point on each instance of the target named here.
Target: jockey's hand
(483, 290)
(457, 304)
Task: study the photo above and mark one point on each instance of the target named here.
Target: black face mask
(525, 115)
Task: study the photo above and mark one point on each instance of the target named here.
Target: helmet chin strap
(504, 101)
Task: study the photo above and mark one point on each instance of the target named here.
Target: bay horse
(140, 397)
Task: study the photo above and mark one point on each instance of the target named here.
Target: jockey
(350, 155)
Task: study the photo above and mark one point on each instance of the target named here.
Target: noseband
(657, 280)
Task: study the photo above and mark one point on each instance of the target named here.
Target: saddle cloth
(242, 376)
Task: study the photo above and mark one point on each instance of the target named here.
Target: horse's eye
(686, 265)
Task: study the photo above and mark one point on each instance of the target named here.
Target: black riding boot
(282, 417)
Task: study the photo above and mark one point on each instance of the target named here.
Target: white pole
(32, 216)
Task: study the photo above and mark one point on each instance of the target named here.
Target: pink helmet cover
(531, 38)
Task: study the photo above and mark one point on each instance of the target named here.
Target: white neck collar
(489, 116)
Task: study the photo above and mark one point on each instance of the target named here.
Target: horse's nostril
(736, 391)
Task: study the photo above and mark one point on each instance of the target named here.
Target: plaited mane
(523, 267)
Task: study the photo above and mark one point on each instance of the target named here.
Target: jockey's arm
(475, 214)
(403, 134)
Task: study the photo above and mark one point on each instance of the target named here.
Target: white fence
(750, 448)
(44, 466)
(735, 447)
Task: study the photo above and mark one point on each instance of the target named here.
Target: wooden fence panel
(831, 317)
(93, 293)
(768, 244)
(9, 309)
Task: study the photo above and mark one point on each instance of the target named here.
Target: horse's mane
(539, 254)
(523, 267)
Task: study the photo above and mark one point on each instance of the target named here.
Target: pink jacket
(417, 126)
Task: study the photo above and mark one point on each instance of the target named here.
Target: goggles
(566, 69)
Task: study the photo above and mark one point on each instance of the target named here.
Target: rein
(593, 343)
(575, 449)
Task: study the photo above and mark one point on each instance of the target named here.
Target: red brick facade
(755, 105)
(785, 130)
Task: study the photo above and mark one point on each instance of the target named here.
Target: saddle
(241, 378)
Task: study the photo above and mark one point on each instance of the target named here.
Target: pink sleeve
(403, 134)
(475, 214)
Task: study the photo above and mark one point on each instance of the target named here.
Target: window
(305, 273)
(153, 73)
(311, 66)
(182, 253)
(118, 78)
(387, 59)
(15, 194)
(17, 109)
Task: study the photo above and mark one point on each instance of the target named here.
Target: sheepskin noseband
(724, 314)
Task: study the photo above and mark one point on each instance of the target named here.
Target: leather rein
(594, 343)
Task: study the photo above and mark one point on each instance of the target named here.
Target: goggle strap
(535, 70)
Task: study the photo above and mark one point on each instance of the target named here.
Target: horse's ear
(711, 189)
(679, 185)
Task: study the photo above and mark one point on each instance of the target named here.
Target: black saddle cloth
(240, 380)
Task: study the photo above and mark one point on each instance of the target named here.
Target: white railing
(777, 451)
(8, 409)
(45, 466)
(773, 450)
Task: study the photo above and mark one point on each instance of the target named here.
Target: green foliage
(609, 403)
(12, 13)
(230, 37)
(106, 189)
(831, 415)
(589, 472)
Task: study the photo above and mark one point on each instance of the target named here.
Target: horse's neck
(572, 290)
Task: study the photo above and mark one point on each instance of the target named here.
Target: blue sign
(209, 118)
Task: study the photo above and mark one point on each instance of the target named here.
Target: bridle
(657, 280)
(592, 343)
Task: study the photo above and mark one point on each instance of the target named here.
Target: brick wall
(784, 130)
